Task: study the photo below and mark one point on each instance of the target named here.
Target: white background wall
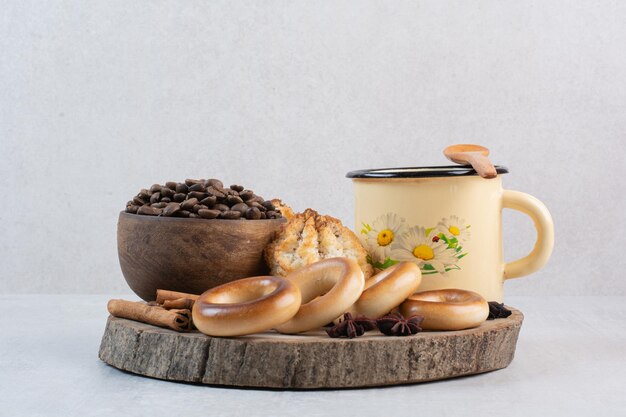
(101, 98)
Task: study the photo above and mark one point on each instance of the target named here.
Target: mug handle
(542, 219)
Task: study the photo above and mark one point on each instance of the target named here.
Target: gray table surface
(570, 360)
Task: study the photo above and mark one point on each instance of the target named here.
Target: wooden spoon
(474, 155)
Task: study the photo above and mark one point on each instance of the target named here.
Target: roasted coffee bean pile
(205, 199)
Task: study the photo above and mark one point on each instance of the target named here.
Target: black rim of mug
(420, 172)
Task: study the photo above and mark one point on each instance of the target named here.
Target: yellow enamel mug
(447, 220)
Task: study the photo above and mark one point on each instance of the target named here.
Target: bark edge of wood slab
(309, 361)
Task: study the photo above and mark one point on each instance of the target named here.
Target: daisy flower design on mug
(381, 236)
(431, 255)
(455, 230)
(436, 250)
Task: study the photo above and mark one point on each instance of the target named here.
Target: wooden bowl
(190, 255)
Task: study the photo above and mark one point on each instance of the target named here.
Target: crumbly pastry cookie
(310, 237)
(283, 208)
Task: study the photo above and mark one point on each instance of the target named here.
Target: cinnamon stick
(179, 303)
(163, 295)
(186, 313)
(179, 320)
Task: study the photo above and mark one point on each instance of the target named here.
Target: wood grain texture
(474, 155)
(311, 360)
(190, 255)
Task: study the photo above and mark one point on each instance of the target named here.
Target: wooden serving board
(311, 360)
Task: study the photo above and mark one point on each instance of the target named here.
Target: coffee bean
(171, 208)
(230, 215)
(214, 191)
(188, 204)
(148, 211)
(233, 199)
(193, 216)
(215, 183)
(197, 194)
(241, 207)
(166, 192)
(246, 195)
(253, 213)
(197, 187)
(237, 188)
(209, 201)
(183, 213)
(208, 214)
(256, 204)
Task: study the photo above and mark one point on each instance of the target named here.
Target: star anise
(351, 327)
(498, 311)
(397, 325)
